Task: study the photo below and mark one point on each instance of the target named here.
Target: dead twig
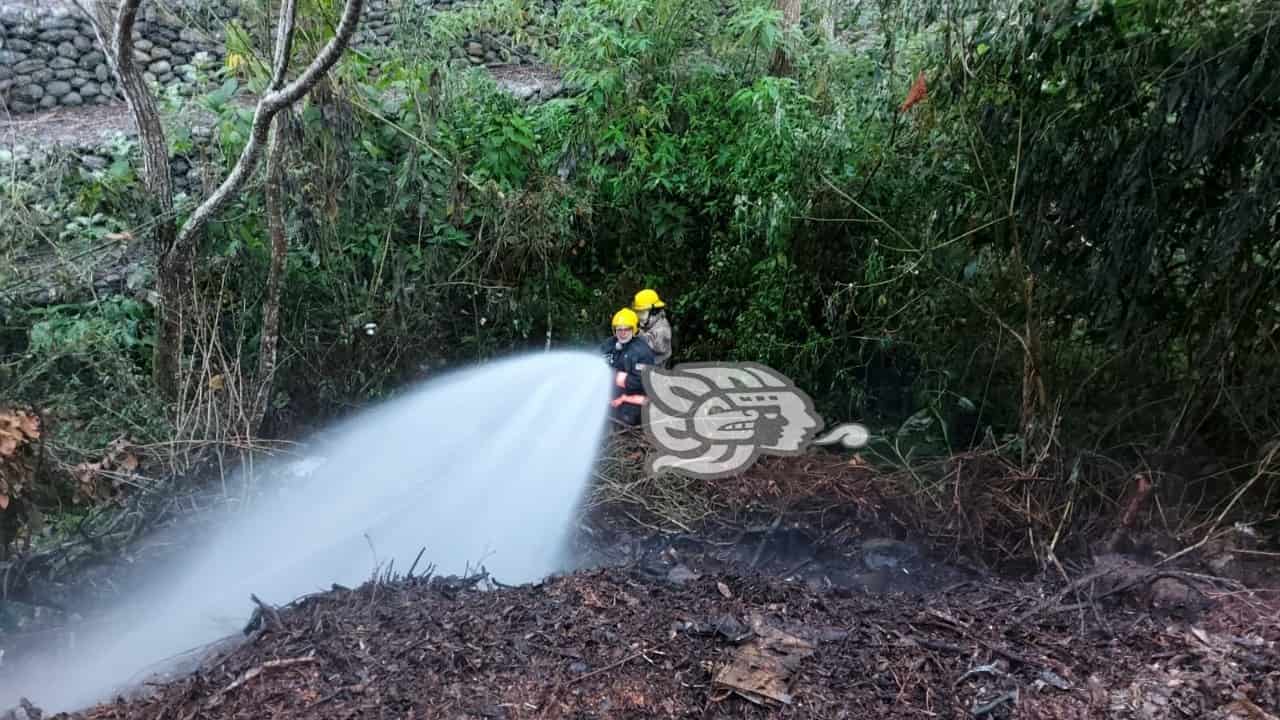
(620, 663)
(1263, 469)
(258, 670)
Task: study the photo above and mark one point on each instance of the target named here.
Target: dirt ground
(620, 643)
(780, 594)
(777, 594)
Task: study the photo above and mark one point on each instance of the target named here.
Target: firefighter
(628, 355)
(653, 325)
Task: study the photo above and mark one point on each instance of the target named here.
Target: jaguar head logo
(712, 420)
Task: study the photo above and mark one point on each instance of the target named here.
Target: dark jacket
(631, 359)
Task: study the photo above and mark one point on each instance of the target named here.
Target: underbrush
(1061, 270)
(986, 505)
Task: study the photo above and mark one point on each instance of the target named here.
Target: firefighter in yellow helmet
(628, 355)
(653, 325)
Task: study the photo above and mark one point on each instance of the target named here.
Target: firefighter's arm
(659, 340)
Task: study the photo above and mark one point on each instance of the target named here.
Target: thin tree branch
(284, 42)
(271, 103)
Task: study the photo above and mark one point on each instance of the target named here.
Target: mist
(485, 466)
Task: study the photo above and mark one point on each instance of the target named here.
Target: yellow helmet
(646, 300)
(625, 317)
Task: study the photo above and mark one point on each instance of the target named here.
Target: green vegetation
(1069, 240)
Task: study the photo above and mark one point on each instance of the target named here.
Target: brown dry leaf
(1242, 708)
(216, 382)
(762, 670)
(29, 424)
(724, 590)
(591, 599)
(129, 462)
(919, 92)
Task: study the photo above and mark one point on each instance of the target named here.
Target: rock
(144, 44)
(880, 553)
(72, 100)
(17, 45)
(82, 43)
(89, 89)
(62, 63)
(160, 68)
(78, 82)
(475, 49)
(27, 67)
(102, 72)
(58, 88)
(31, 93)
(681, 575)
(161, 53)
(42, 76)
(64, 74)
(91, 60)
(141, 58)
(67, 50)
(1176, 596)
(47, 102)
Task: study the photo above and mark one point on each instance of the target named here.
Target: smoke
(484, 466)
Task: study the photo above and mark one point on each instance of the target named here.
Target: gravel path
(67, 126)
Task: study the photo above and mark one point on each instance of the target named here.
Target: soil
(815, 612)
(621, 643)
(72, 127)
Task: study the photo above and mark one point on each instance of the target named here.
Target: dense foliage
(1073, 226)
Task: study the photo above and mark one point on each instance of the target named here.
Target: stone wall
(50, 58)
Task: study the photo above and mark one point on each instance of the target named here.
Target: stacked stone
(90, 157)
(51, 58)
(488, 49)
(376, 23)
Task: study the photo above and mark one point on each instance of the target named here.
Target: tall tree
(175, 246)
(781, 64)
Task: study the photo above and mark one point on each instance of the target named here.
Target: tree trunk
(268, 340)
(173, 283)
(781, 63)
(176, 248)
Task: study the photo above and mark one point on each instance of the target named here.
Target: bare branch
(284, 42)
(270, 104)
(324, 60)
